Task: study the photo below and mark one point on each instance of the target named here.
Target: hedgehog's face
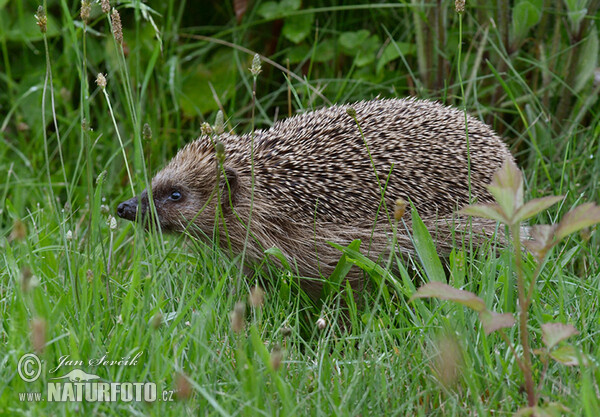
(185, 199)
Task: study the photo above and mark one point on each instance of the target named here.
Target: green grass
(72, 285)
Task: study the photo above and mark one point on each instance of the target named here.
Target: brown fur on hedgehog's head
(184, 189)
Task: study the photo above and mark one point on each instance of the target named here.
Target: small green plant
(510, 209)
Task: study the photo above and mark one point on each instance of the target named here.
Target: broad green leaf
(426, 249)
(525, 15)
(588, 61)
(298, 53)
(196, 98)
(393, 51)
(553, 333)
(507, 188)
(533, 207)
(341, 270)
(493, 321)
(298, 27)
(576, 11)
(276, 252)
(580, 217)
(446, 292)
(361, 45)
(269, 10)
(374, 271)
(325, 50)
(486, 211)
(567, 355)
(273, 10)
(351, 41)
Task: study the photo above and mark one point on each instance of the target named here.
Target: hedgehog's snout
(128, 209)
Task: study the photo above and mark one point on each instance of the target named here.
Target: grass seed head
(237, 317)
(105, 4)
(117, 27)
(157, 320)
(86, 7)
(276, 357)
(101, 80)
(206, 129)
(28, 281)
(256, 67)
(147, 132)
(18, 232)
(38, 334)
(256, 297)
(183, 386)
(219, 124)
(41, 19)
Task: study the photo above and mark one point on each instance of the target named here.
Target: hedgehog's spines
(314, 181)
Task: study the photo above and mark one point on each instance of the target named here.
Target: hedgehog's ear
(229, 188)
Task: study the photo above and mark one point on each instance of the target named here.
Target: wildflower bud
(351, 112)
(321, 323)
(156, 321)
(101, 177)
(256, 68)
(219, 124)
(237, 317)
(220, 152)
(286, 331)
(256, 297)
(69, 235)
(400, 209)
(183, 386)
(38, 334)
(85, 125)
(117, 27)
(147, 131)
(460, 6)
(23, 127)
(105, 6)
(206, 129)
(65, 94)
(276, 357)
(112, 223)
(86, 6)
(18, 232)
(101, 80)
(41, 19)
(26, 279)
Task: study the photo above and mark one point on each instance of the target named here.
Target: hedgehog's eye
(175, 195)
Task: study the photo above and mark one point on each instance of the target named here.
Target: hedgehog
(330, 175)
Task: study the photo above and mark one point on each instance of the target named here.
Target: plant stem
(527, 372)
(251, 178)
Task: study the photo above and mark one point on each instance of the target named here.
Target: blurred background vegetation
(528, 67)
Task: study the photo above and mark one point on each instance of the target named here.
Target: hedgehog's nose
(128, 209)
